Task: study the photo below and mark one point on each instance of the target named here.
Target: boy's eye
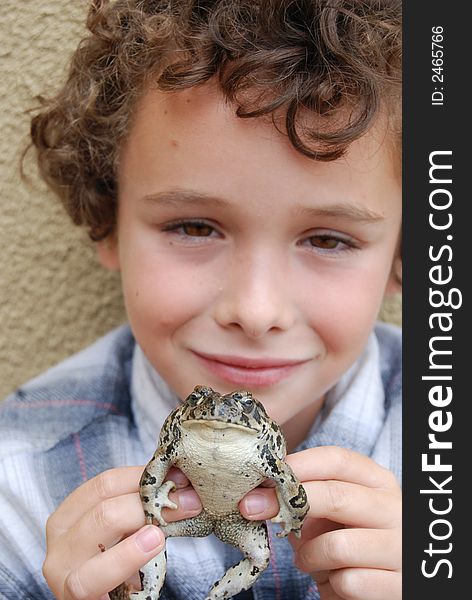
(190, 228)
(196, 229)
(330, 243)
(325, 242)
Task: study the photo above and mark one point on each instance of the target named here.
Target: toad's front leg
(293, 501)
(154, 493)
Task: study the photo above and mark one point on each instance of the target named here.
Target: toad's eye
(193, 399)
(248, 404)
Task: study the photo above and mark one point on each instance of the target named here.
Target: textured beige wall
(54, 298)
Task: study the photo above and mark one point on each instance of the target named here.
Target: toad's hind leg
(152, 578)
(252, 539)
(153, 573)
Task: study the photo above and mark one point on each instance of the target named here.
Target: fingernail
(255, 504)
(189, 501)
(148, 539)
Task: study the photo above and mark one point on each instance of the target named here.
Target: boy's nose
(256, 297)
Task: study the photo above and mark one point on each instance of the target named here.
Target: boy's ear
(394, 284)
(108, 254)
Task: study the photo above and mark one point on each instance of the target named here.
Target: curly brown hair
(337, 59)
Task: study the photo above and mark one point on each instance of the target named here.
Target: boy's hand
(351, 538)
(106, 512)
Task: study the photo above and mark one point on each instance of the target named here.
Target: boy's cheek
(346, 319)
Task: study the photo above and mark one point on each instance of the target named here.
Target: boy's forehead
(201, 108)
(200, 124)
(201, 100)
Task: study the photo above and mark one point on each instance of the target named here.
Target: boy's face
(245, 264)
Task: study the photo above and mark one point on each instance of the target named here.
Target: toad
(226, 445)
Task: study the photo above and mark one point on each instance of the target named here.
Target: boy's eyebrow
(347, 210)
(178, 197)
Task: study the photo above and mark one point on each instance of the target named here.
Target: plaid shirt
(76, 420)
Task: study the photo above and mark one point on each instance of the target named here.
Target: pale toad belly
(217, 461)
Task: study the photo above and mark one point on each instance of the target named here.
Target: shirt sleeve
(23, 514)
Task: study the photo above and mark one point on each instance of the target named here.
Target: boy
(238, 163)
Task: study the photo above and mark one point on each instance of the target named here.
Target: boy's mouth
(249, 372)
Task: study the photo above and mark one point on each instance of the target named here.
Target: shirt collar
(354, 410)
(152, 400)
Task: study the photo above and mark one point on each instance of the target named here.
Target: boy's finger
(177, 477)
(106, 570)
(366, 584)
(108, 484)
(312, 528)
(353, 505)
(334, 462)
(188, 505)
(346, 503)
(369, 548)
(259, 504)
(112, 519)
